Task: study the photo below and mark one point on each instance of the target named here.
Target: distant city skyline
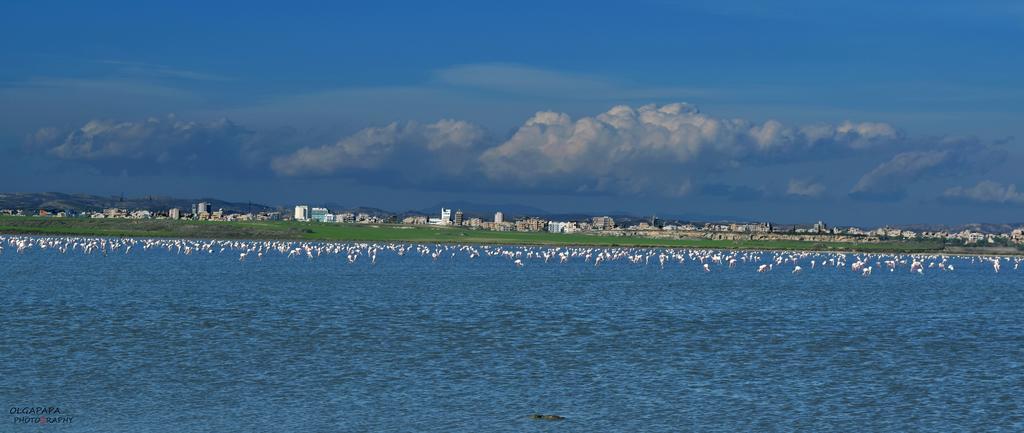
(1002, 237)
(856, 113)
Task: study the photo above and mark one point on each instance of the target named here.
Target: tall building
(302, 213)
(446, 216)
(820, 227)
(174, 213)
(499, 217)
(458, 217)
(204, 207)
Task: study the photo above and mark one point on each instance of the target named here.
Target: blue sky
(853, 112)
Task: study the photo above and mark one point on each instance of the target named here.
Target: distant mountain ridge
(57, 201)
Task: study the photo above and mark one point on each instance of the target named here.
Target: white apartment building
(302, 213)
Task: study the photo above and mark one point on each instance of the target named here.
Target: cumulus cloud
(671, 150)
(651, 147)
(950, 156)
(986, 192)
(804, 188)
(444, 147)
(152, 144)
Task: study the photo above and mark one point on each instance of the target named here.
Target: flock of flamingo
(794, 262)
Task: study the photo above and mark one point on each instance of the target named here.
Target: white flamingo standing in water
(709, 260)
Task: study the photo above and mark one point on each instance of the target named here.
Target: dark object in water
(547, 417)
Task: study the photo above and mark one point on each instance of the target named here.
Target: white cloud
(105, 139)
(654, 147)
(987, 192)
(444, 147)
(670, 150)
(154, 145)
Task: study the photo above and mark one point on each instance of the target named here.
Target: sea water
(160, 341)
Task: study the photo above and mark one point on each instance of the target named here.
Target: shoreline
(322, 232)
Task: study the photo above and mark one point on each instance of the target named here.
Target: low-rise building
(709, 227)
(114, 212)
(531, 225)
(855, 231)
(764, 227)
(603, 223)
(563, 226)
(504, 226)
(420, 220)
(318, 214)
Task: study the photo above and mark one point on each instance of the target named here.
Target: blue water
(154, 341)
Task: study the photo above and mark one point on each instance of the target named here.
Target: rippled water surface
(159, 341)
